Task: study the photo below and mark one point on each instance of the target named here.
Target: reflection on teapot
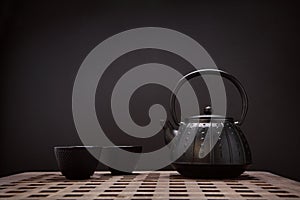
(213, 146)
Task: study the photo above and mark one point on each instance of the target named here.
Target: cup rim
(75, 147)
(122, 146)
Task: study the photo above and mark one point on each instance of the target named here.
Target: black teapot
(214, 145)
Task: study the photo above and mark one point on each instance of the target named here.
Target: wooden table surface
(147, 185)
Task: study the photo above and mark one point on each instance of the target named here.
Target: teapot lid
(208, 116)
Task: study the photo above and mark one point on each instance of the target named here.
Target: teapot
(217, 147)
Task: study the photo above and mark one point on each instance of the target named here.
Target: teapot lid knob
(207, 110)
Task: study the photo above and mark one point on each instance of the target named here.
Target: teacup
(77, 162)
(126, 165)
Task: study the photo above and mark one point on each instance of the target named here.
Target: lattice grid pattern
(147, 185)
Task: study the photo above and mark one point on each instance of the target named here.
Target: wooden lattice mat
(147, 185)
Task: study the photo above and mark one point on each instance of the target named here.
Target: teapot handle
(201, 72)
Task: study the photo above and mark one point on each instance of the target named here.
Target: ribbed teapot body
(211, 144)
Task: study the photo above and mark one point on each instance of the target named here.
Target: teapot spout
(169, 131)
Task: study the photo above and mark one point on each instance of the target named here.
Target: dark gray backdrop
(44, 42)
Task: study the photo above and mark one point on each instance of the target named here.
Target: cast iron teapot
(215, 146)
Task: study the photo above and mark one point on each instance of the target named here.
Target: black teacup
(112, 155)
(77, 162)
